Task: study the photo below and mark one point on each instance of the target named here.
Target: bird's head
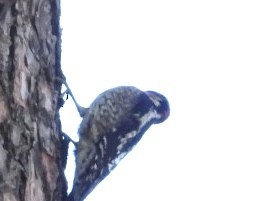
(161, 105)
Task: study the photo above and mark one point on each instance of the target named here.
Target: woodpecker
(111, 126)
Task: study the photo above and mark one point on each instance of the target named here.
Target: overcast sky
(209, 58)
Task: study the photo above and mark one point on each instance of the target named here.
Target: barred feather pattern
(113, 124)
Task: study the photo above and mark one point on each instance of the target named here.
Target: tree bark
(31, 162)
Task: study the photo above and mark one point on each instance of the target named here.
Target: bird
(111, 126)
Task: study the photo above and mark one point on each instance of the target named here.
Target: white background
(209, 58)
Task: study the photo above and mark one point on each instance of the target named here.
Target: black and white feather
(111, 126)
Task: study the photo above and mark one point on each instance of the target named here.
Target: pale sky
(209, 58)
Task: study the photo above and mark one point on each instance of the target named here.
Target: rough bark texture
(31, 167)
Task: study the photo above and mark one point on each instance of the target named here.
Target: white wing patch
(115, 161)
(124, 140)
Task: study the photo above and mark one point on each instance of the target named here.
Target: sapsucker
(111, 126)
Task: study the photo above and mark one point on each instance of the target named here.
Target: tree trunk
(31, 162)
